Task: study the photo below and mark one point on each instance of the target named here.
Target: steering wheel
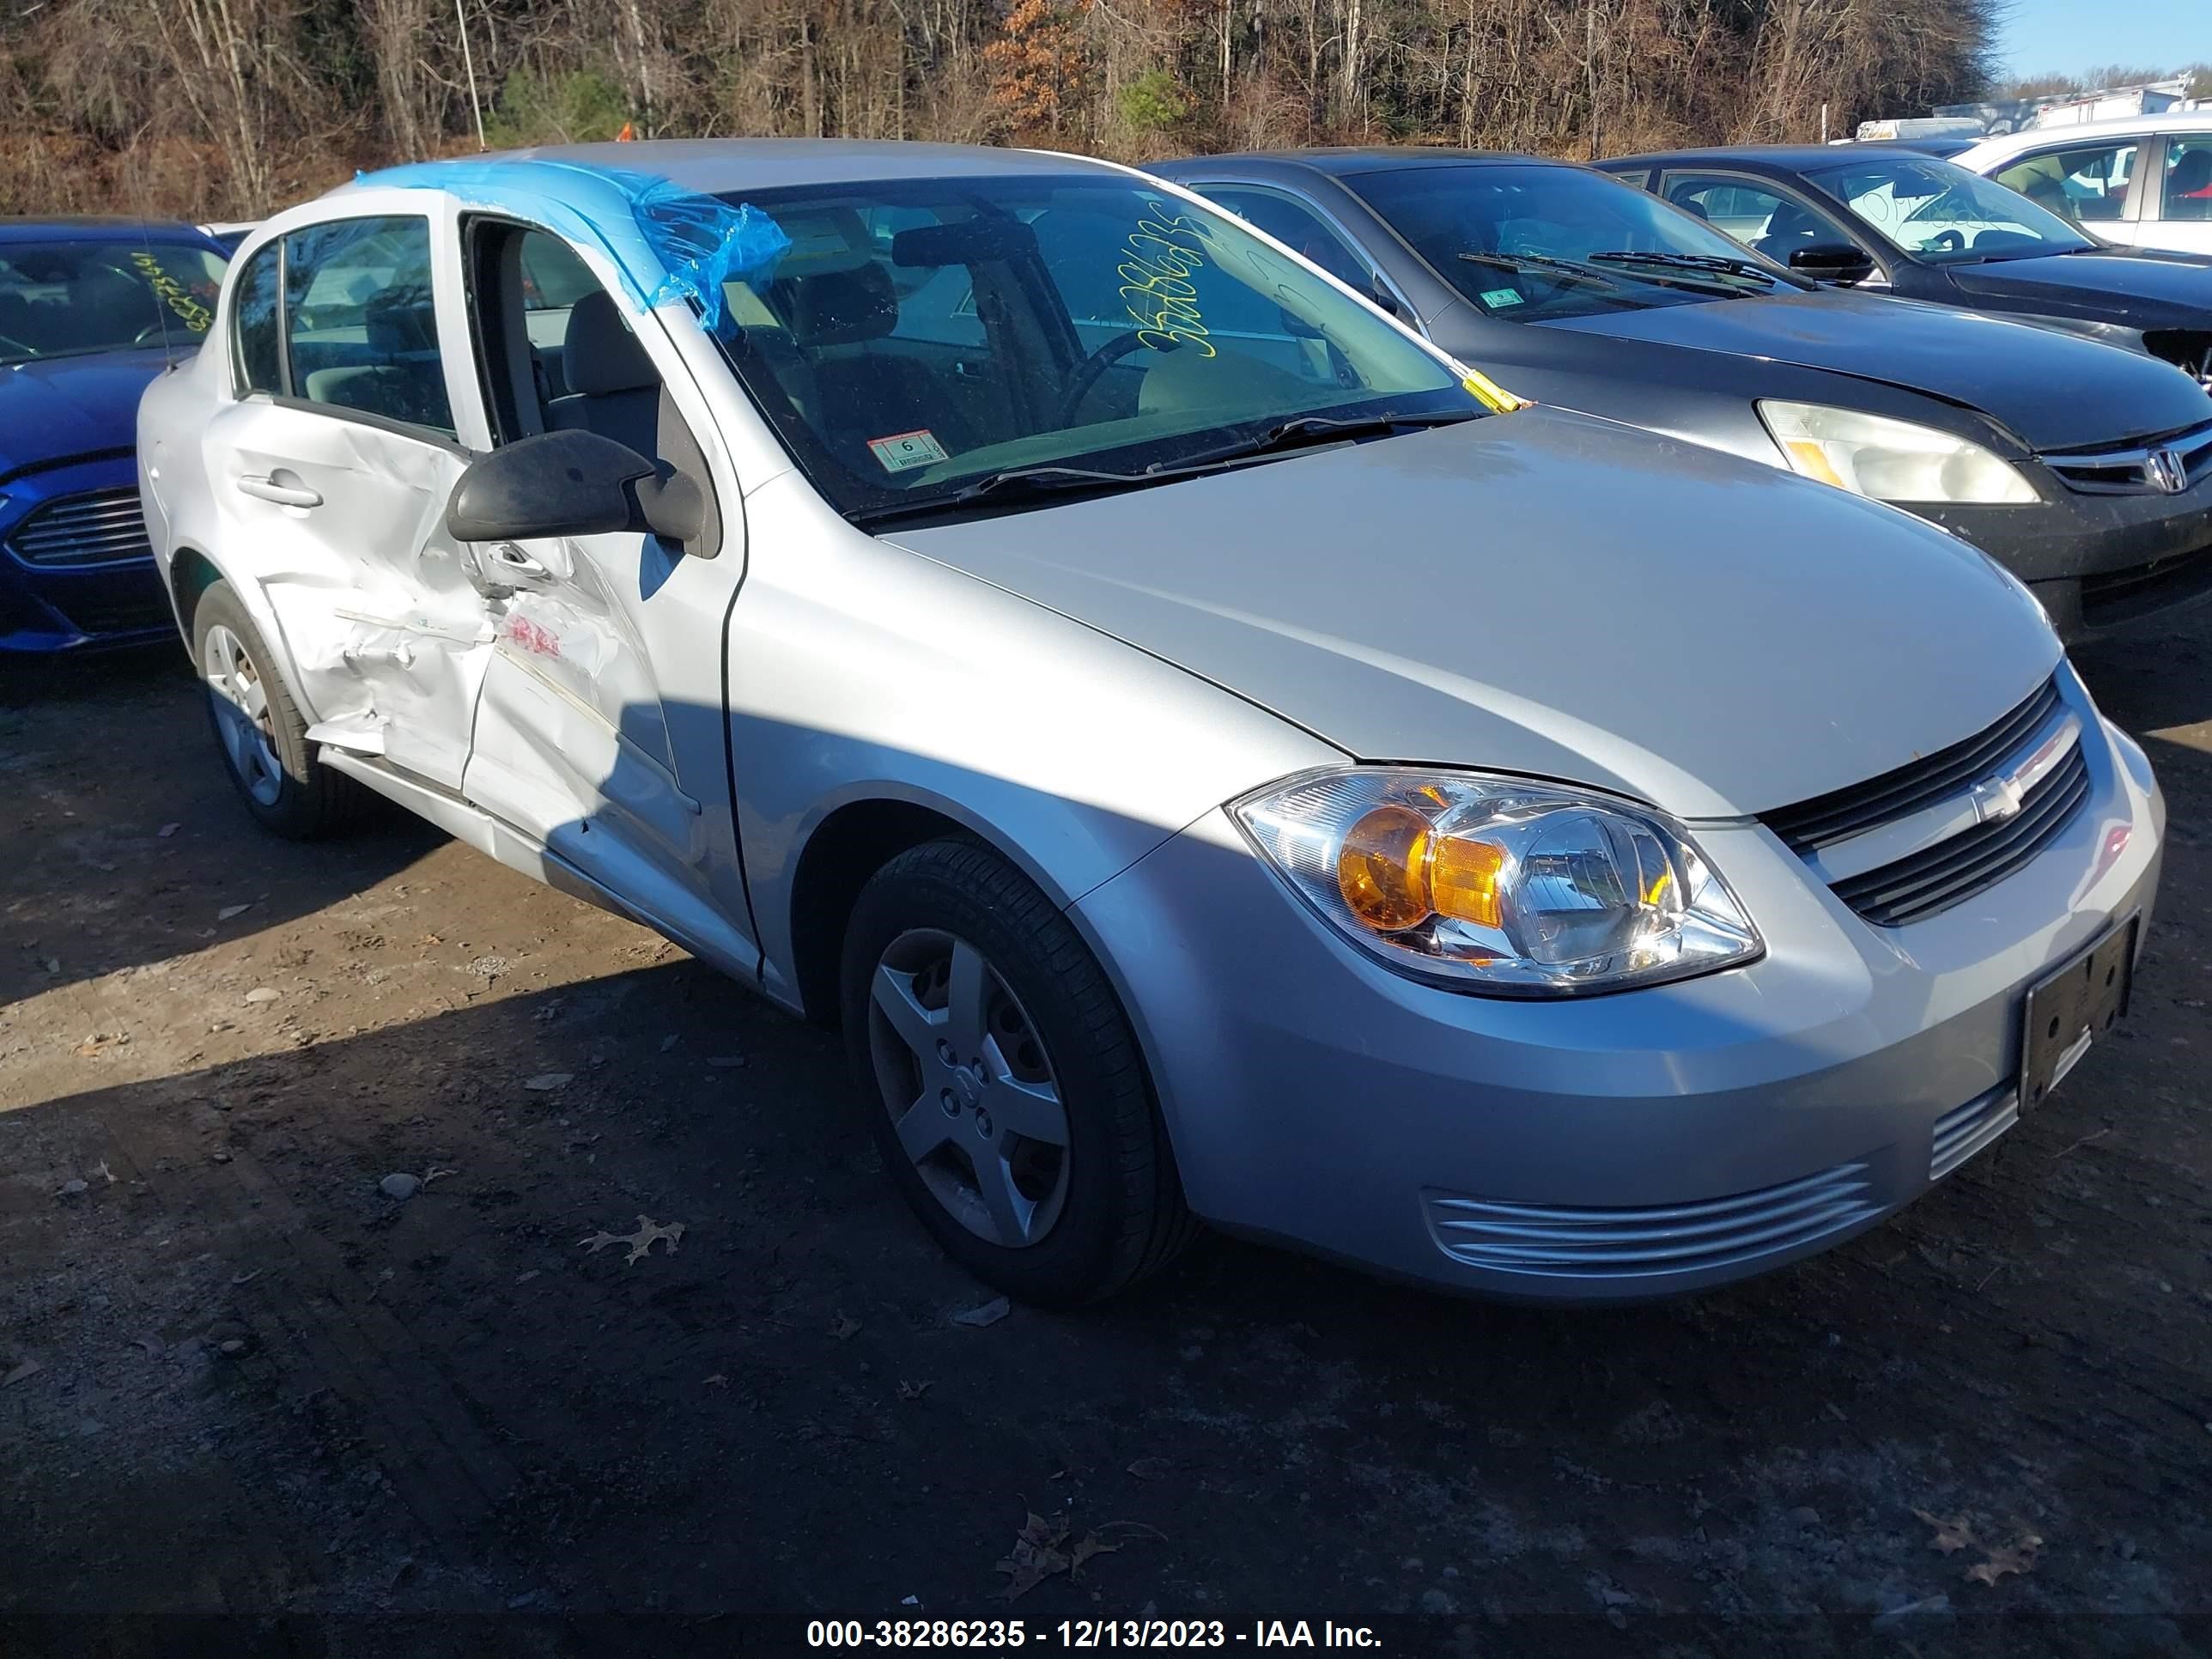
(1087, 371)
(1949, 242)
(23, 346)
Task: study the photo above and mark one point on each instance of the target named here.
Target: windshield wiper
(1297, 433)
(1543, 262)
(1304, 430)
(1011, 483)
(1719, 265)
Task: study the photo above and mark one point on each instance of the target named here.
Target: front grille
(1965, 1130)
(2131, 471)
(1951, 870)
(1553, 1242)
(100, 527)
(1843, 813)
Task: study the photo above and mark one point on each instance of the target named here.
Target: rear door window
(2187, 179)
(360, 322)
(2086, 184)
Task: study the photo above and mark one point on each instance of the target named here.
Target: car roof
(1349, 160)
(1778, 158)
(715, 166)
(2119, 126)
(113, 228)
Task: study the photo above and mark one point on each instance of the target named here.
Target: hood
(1547, 593)
(2141, 287)
(57, 409)
(2007, 370)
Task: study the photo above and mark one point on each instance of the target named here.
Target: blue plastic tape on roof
(677, 244)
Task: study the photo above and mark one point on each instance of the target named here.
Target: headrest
(837, 307)
(2190, 173)
(599, 355)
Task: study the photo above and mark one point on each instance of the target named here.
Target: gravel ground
(251, 1403)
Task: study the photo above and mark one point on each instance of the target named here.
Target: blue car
(90, 311)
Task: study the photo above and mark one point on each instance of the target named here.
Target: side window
(2188, 179)
(259, 355)
(1755, 215)
(360, 322)
(2085, 185)
(1297, 226)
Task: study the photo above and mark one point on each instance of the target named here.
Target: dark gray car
(2084, 469)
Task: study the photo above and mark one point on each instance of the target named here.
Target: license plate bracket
(2071, 1005)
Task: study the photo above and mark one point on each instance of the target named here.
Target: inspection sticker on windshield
(1496, 297)
(904, 449)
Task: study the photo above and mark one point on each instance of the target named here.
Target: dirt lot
(241, 1385)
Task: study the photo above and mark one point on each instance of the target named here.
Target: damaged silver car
(1216, 756)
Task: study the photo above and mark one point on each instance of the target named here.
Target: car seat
(614, 389)
(834, 317)
(2189, 186)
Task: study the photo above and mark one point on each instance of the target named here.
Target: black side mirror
(570, 484)
(1832, 262)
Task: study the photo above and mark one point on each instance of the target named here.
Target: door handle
(516, 562)
(281, 487)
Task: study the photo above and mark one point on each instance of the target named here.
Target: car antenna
(149, 270)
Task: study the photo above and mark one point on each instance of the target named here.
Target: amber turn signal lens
(1463, 879)
(1382, 871)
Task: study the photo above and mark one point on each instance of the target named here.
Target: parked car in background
(229, 233)
(2145, 181)
(1158, 704)
(1577, 291)
(90, 311)
(1932, 230)
(1945, 147)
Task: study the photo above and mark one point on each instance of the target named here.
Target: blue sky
(2069, 36)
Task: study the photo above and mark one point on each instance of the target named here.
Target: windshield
(1535, 242)
(919, 335)
(66, 299)
(1944, 214)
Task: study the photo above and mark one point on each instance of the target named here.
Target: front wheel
(1005, 1085)
(261, 731)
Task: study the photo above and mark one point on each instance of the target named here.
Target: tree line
(212, 109)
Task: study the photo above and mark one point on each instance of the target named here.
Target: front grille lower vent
(100, 527)
(1559, 1241)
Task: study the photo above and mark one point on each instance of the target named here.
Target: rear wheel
(261, 731)
(1006, 1090)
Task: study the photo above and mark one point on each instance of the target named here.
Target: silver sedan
(1218, 757)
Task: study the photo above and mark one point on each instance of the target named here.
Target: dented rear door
(335, 487)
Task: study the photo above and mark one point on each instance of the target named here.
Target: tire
(1104, 1208)
(259, 730)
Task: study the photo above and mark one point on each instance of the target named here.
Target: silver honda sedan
(1218, 757)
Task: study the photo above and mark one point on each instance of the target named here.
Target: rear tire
(1003, 1082)
(260, 732)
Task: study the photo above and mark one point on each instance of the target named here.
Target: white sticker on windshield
(1496, 297)
(904, 449)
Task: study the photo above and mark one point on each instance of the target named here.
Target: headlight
(1499, 886)
(1892, 461)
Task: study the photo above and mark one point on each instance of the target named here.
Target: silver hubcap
(240, 703)
(970, 1088)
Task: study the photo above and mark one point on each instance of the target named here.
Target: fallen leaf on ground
(168, 830)
(1950, 1535)
(717, 1380)
(2018, 1556)
(230, 910)
(840, 1327)
(1152, 1468)
(989, 1314)
(548, 1080)
(28, 1368)
(666, 1043)
(1036, 1556)
(641, 1242)
(913, 1390)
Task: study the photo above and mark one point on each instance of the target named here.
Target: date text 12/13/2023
(938, 1635)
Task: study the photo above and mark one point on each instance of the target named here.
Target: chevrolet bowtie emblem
(1994, 798)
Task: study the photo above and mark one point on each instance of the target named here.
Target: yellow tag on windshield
(1500, 400)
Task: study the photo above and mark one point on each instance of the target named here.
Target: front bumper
(1647, 1142)
(53, 608)
(2097, 563)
